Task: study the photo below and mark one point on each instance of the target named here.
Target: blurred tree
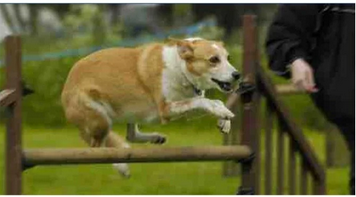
(229, 15)
(34, 18)
(182, 14)
(60, 9)
(19, 21)
(115, 13)
(166, 11)
(224, 13)
(19, 17)
(6, 15)
(99, 27)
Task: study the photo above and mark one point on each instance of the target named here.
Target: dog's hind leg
(94, 123)
(115, 141)
(112, 140)
(90, 116)
(95, 128)
(134, 135)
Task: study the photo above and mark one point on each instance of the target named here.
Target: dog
(154, 82)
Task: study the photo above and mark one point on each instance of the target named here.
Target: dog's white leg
(134, 135)
(123, 169)
(215, 107)
(224, 125)
(115, 141)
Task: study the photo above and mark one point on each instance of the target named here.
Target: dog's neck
(175, 79)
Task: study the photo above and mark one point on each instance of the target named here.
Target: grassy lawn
(156, 178)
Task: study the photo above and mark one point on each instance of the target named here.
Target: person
(314, 45)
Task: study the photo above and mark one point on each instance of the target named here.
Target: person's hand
(303, 76)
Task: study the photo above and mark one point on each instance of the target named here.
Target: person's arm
(289, 43)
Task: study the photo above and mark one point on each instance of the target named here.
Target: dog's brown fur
(97, 77)
(129, 81)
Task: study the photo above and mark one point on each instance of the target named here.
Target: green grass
(154, 178)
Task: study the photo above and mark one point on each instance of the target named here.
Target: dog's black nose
(236, 75)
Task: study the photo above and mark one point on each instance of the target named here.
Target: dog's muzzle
(226, 86)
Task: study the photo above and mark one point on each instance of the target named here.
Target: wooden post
(280, 158)
(13, 162)
(304, 149)
(231, 168)
(303, 178)
(292, 167)
(268, 119)
(250, 132)
(336, 144)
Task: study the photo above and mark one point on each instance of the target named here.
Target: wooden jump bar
(113, 155)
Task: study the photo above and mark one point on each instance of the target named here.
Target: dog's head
(207, 64)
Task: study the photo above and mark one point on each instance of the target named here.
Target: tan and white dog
(144, 84)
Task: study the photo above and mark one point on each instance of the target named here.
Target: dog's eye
(214, 60)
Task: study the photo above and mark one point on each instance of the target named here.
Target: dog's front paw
(157, 138)
(224, 125)
(221, 111)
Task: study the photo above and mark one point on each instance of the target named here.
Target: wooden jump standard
(18, 159)
(248, 153)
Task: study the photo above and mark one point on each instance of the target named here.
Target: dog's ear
(185, 49)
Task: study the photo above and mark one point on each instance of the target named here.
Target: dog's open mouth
(225, 86)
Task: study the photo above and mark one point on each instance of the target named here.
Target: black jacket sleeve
(290, 35)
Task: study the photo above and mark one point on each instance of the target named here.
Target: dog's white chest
(173, 89)
(174, 84)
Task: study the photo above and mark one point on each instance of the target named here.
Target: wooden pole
(269, 117)
(294, 132)
(280, 158)
(128, 155)
(231, 168)
(13, 149)
(249, 128)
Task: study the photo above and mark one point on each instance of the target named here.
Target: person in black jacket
(314, 45)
